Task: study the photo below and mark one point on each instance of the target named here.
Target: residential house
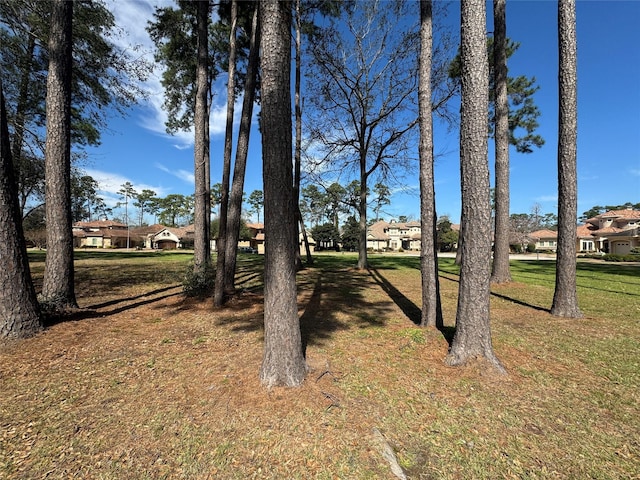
(394, 235)
(616, 231)
(257, 237)
(110, 234)
(100, 234)
(159, 237)
(544, 239)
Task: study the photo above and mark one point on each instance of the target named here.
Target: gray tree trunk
(220, 286)
(565, 297)
(363, 262)
(298, 140)
(283, 361)
(20, 117)
(431, 307)
(19, 311)
(500, 270)
(473, 332)
(239, 169)
(58, 285)
(201, 247)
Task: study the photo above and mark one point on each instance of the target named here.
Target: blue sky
(136, 149)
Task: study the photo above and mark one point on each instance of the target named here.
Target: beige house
(544, 239)
(615, 231)
(394, 235)
(100, 234)
(159, 237)
(257, 237)
(110, 234)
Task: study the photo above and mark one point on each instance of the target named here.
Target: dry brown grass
(148, 384)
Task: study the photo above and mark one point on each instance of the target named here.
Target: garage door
(621, 248)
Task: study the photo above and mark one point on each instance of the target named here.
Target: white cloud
(133, 16)
(110, 183)
(183, 175)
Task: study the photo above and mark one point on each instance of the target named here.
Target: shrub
(614, 257)
(531, 247)
(198, 284)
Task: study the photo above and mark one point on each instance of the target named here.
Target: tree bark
(363, 261)
(473, 332)
(298, 141)
(283, 361)
(565, 297)
(19, 311)
(237, 187)
(58, 284)
(500, 270)
(220, 286)
(201, 255)
(20, 118)
(431, 307)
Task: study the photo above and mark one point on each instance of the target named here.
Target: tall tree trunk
(473, 332)
(458, 259)
(305, 237)
(565, 297)
(362, 211)
(500, 271)
(283, 362)
(298, 142)
(201, 256)
(19, 312)
(58, 285)
(237, 187)
(431, 307)
(220, 287)
(21, 107)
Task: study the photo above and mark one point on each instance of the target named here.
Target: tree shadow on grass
(92, 311)
(128, 299)
(410, 309)
(337, 300)
(503, 297)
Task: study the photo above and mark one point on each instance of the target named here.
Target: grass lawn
(144, 383)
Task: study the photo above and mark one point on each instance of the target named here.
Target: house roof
(148, 230)
(99, 224)
(584, 231)
(256, 226)
(633, 232)
(608, 231)
(182, 232)
(626, 214)
(102, 232)
(544, 233)
(376, 231)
